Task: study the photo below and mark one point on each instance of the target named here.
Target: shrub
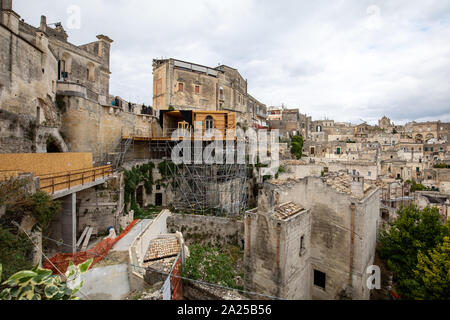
(297, 146)
(210, 265)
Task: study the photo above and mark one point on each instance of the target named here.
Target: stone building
(184, 85)
(386, 125)
(289, 122)
(312, 238)
(27, 85)
(54, 95)
(423, 132)
(257, 113)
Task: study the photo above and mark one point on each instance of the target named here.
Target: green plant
(30, 130)
(418, 187)
(15, 250)
(297, 146)
(133, 178)
(210, 264)
(19, 202)
(433, 273)
(41, 284)
(413, 234)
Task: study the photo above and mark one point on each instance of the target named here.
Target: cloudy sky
(348, 60)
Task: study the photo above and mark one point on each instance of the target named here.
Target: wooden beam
(82, 236)
(86, 241)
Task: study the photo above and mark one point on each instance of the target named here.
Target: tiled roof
(342, 182)
(162, 248)
(286, 210)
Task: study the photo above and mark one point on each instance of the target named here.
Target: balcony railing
(51, 183)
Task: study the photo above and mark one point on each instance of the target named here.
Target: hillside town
(294, 208)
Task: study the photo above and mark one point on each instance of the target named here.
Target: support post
(69, 223)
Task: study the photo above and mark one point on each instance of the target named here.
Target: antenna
(56, 24)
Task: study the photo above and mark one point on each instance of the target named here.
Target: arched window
(64, 66)
(209, 124)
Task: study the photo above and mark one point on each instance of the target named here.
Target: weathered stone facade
(207, 230)
(54, 96)
(339, 243)
(188, 86)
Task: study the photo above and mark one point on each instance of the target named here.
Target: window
(369, 173)
(209, 124)
(221, 93)
(158, 187)
(302, 245)
(197, 89)
(319, 279)
(181, 87)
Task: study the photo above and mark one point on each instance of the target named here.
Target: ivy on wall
(18, 202)
(133, 178)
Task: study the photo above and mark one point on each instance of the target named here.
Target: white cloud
(346, 60)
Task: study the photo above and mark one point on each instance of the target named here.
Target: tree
(412, 232)
(297, 146)
(433, 273)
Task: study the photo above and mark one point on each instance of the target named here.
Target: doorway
(140, 196)
(158, 199)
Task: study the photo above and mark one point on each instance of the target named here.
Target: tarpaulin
(61, 260)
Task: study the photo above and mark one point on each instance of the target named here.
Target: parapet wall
(139, 248)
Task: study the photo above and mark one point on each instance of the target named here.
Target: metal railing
(51, 183)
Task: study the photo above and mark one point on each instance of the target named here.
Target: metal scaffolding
(211, 189)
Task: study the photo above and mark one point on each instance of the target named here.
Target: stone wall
(28, 72)
(97, 209)
(207, 230)
(91, 127)
(333, 215)
(274, 262)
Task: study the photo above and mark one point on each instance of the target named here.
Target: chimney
(8, 17)
(6, 5)
(104, 48)
(357, 186)
(43, 26)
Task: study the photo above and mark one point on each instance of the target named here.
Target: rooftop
(342, 181)
(286, 210)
